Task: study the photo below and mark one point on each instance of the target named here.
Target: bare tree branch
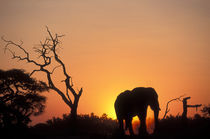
(47, 51)
(55, 69)
(27, 57)
(52, 86)
(67, 93)
(33, 72)
(167, 109)
(68, 78)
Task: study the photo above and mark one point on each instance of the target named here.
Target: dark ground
(94, 127)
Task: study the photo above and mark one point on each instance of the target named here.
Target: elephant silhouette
(134, 103)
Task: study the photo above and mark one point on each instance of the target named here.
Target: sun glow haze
(114, 45)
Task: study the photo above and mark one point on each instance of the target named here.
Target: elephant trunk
(156, 114)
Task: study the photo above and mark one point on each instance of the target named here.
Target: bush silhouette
(86, 125)
(19, 98)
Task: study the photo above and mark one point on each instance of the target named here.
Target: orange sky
(114, 45)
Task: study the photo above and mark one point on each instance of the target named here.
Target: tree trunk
(73, 117)
(48, 54)
(184, 114)
(73, 113)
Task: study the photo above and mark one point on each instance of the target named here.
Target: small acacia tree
(19, 98)
(48, 53)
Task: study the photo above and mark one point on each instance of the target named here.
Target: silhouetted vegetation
(19, 98)
(92, 126)
(175, 127)
(86, 126)
(206, 110)
(48, 61)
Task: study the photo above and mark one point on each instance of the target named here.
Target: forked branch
(167, 109)
(47, 52)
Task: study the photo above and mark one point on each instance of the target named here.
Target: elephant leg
(143, 127)
(156, 114)
(129, 125)
(121, 126)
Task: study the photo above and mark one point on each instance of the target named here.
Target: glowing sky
(114, 45)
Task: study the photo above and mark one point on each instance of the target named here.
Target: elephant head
(134, 103)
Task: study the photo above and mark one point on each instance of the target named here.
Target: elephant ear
(154, 104)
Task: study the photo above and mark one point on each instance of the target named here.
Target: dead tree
(185, 107)
(47, 52)
(167, 109)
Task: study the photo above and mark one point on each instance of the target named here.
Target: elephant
(134, 103)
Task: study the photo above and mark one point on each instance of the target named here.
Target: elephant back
(148, 96)
(144, 93)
